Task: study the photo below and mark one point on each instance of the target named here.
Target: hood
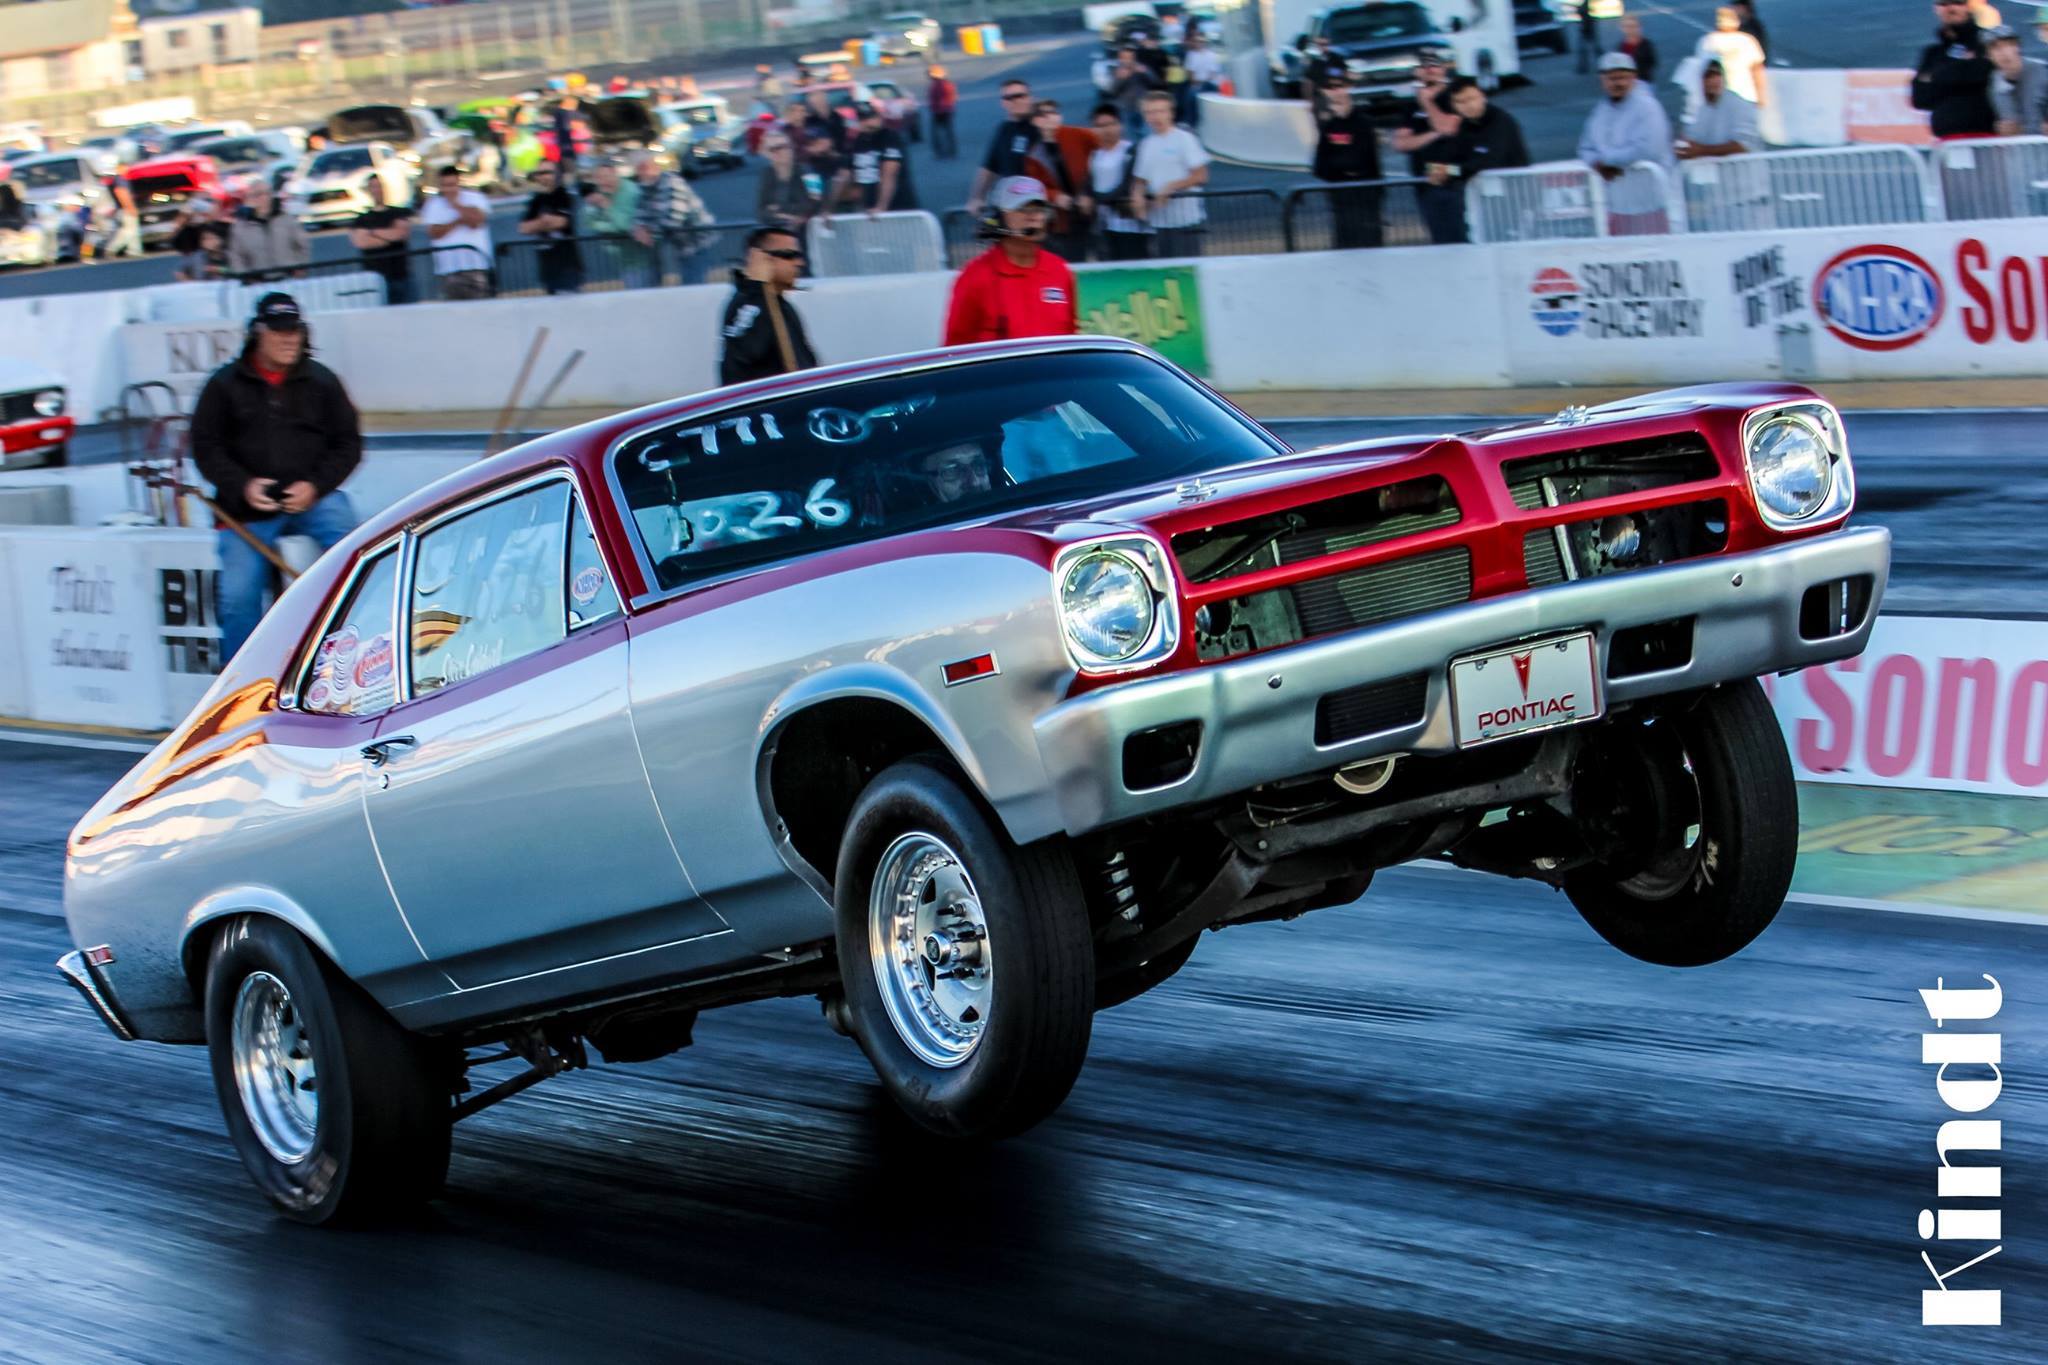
(199, 168)
(621, 120)
(371, 123)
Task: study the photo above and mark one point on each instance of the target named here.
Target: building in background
(50, 47)
(184, 35)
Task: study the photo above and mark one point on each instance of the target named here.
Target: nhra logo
(1555, 301)
(1878, 298)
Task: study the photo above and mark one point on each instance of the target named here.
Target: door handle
(379, 753)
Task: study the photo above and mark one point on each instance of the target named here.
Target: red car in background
(162, 187)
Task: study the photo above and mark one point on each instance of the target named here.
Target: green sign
(1956, 849)
(1161, 308)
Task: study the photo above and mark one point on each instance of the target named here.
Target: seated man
(957, 471)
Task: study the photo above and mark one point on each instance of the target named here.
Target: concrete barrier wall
(77, 336)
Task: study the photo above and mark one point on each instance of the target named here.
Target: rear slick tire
(340, 1115)
(967, 962)
(1725, 774)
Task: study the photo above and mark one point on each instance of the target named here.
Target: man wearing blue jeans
(276, 435)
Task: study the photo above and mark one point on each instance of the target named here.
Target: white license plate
(1523, 688)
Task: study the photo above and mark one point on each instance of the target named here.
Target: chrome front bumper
(91, 984)
(1258, 714)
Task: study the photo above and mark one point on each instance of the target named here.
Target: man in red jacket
(1016, 288)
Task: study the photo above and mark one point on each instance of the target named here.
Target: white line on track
(125, 746)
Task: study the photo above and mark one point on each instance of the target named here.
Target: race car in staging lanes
(965, 691)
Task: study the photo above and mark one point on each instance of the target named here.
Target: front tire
(1707, 799)
(339, 1114)
(967, 962)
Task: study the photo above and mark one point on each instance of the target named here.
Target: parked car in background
(908, 33)
(621, 125)
(35, 424)
(288, 143)
(1538, 29)
(183, 139)
(163, 185)
(67, 187)
(248, 156)
(30, 234)
(964, 691)
(414, 132)
(333, 186)
(1380, 40)
(702, 134)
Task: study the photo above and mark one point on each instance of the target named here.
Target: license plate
(1524, 688)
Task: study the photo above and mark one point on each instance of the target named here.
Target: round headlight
(1107, 604)
(1788, 462)
(49, 403)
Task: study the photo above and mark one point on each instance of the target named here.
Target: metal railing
(1993, 177)
(897, 243)
(1346, 216)
(612, 261)
(1863, 186)
(1557, 200)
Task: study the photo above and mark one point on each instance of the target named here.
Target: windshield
(1377, 23)
(866, 459)
(240, 151)
(340, 161)
(42, 175)
(700, 114)
(178, 142)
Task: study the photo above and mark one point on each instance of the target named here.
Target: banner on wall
(1940, 703)
(181, 354)
(1161, 308)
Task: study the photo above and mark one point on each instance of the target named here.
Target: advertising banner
(1160, 307)
(1943, 703)
(87, 629)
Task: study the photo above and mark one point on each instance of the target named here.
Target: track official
(1016, 288)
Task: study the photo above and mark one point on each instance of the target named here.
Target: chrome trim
(1152, 560)
(882, 368)
(1841, 498)
(86, 979)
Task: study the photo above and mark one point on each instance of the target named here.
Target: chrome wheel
(928, 943)
(273, 1060)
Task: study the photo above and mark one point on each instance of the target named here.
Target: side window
(353, 665)
(488, 588)
(591, 595)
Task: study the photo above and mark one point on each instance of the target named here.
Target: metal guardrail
(897, 243)
(1557, 200)
(1356, 214)
(1993, 177)
(605, 262)
(1863, 186)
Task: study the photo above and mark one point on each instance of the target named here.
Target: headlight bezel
(1148, 557)
(1822, 421)
(55, 410)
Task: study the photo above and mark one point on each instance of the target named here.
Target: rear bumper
(1258, 714)
(91, 983)
(24, 445)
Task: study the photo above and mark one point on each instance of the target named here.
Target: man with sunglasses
(1953, 82)
(763, 335)
(1008, 149)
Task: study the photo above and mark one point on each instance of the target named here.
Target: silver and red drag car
(964, 691)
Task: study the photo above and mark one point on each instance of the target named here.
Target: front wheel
(967, 962)
(1701, 812)
(338, 1113)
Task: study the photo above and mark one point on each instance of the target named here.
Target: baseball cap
(279, 312)
(1617, 61)
(1014, 192)
(2003, 33)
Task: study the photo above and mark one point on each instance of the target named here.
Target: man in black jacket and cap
(1953, 82)
(1348, 152)
(763, 335)
(276, 435)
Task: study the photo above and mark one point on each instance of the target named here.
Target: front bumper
(24, 445)
(1258, 714)
(86, 977)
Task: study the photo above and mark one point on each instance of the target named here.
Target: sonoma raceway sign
(1935, 702)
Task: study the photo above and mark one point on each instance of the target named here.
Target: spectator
(1112, 169)
(267, 243)
(1489, 138)
(1753, 26)
(208, 257)
(1010, 145)
(1130, 81)
(1170, 163)
(13, 213)
(1174, 81)
(1640, 48)
(1589, 36)
(821, 162)
(1626, 127)
(458, 224)
(941, 99)
(671, 211)
(127, 238)
(609, 208)
(1723, 125)
(1430, 122)
(786, 198)
(550, 219)
(1153, 58)
(1953, 82)
(2019, 86)
(878, 169)
(763, 335)
(822, 117)
(1741, 59)
(1172, 32)
(1059, 161)
(380, 234)
(767, 85)
(1321, 66)
(1205, 76)
(193, 214)
(1348, 151)
(1014, 289)
(275, 434)
(564, 121)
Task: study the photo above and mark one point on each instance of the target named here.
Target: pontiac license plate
(1524, 688)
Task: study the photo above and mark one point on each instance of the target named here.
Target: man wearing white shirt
(1741, 56)
(1111, 177)
(1170, 162)
(1723, 125)
(1205, 75)
(458, 223)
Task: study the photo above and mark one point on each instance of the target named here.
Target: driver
(956, 471)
